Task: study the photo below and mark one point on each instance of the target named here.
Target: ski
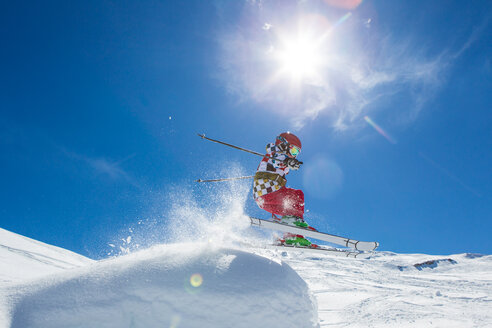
(322, 250)
(306, 232)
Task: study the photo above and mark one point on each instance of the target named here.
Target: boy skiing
(270, 192)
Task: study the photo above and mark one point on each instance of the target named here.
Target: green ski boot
(294, 221)
(297, 241)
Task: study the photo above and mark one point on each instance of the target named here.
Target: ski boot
(295, 221)
(296, 241)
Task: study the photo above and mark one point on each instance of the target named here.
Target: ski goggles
(294, 150)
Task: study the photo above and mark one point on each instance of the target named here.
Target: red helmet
(289, 143)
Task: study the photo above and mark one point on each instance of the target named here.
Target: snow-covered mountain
(201, 285)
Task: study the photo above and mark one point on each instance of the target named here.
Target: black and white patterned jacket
(272, 163)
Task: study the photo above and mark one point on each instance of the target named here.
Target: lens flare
(342, 19)
(345, 4)
(196, 280)
(175, 320)
(322, 178)
(380, 130)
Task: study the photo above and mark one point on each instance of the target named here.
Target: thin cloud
(349, 86)
(474, 36)
(106, 167)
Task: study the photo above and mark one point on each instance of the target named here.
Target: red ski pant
(285, 201)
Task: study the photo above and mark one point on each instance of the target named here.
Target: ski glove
(292, 163)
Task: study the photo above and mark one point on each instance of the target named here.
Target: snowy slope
(185, 285)
(397, 290)
(23, 258)
(197, 285)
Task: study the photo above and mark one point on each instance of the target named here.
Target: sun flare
(299, 57)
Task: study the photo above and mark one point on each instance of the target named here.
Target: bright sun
(299, 58)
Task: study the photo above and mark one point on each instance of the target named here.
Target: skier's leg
(293, 202)
(289, 203)
(286, 201)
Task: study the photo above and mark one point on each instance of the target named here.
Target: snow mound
(180, 285)
(24, 258)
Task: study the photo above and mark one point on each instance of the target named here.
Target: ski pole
(236, 147)
(225, 179)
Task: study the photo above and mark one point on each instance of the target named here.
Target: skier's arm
(278, 158)
(292, 163)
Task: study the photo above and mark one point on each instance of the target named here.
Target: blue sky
(101, 102)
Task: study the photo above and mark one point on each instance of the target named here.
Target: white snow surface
(388, 290)
(176, 285)
(22, 258)
(198, 285)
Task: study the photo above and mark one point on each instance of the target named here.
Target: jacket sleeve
(277, 158)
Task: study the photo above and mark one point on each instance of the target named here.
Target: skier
(272, 195)
(270, 192)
